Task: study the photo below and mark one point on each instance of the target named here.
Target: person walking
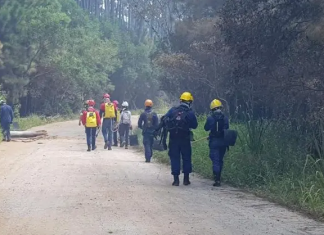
(148, 122)
(125, 125)
(116, 125)
(6, 118)
(108, 112)
(216, 123)
(91, 120)
(179, 121)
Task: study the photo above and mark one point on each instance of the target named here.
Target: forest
(263, 59)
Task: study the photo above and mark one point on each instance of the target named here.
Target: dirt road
(55, 187)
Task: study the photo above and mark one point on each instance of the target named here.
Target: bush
(269, 159)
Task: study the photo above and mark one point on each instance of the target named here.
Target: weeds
(271, 159)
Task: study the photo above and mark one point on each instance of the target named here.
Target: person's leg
(174, 154)
(185, 149)
(110, 133)
(151, 139)
(3, 131)
(88, 134)
(215, 157)
(122, 134)
(147, 147)
(8, 132)
(104, 130)
(115, 138)
(93, 137)
(126, 140)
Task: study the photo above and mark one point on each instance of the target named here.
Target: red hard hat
(116, 102)
(106, 95)
(92, 103)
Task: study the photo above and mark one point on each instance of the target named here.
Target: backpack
(126, 117)
(178, 123)
(149, 120)
(109, 111)
(218, 131)
(91, 120)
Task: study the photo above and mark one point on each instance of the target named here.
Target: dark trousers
(148, 141)
(6, 131)
(180, 149)
(115, 138)
(216, 154)
(107, 130)
(91, 136)
(124, 133)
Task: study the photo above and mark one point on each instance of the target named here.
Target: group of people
(110, 119)
(178, 122)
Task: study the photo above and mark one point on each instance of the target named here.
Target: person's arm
(102, 110)
(193, 122)
(84, 118)
(208, 124)
(140, 121)
(98, 119)
(155, 121)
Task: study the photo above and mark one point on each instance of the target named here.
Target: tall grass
(271, 159)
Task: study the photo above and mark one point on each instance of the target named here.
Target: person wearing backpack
(108, 112)
(91, 120)
(115, 134)
(179, 122)
(216, 123)
(125, 125)
(148, 122)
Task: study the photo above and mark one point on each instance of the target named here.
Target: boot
(106, 145)
(217, 179)
(126, 146)
(186, 179)
(94, 147)
(122, 144)
(89, 148)
(176, 181)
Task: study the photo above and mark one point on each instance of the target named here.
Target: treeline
(56, 53)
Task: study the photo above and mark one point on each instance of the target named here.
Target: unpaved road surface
(55, 187)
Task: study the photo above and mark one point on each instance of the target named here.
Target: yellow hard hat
(215, 104)
(186, 96)
(148, 103)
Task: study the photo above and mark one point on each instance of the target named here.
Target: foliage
(56, 54)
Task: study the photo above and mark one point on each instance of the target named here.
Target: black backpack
(218, 130)
(178, 123)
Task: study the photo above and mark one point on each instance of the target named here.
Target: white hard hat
(125, 104)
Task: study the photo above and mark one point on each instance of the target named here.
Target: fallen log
(27, 134)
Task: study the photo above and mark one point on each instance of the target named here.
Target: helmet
(86, 102)
(106, 96)
(186, 96)
(91, 103)
(116, 102)
(125, 104)
(148, 103)
(215, 104)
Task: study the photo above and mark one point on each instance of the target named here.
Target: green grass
(269, 161)
(34, 120)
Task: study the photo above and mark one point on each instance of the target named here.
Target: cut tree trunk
(27, 134)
